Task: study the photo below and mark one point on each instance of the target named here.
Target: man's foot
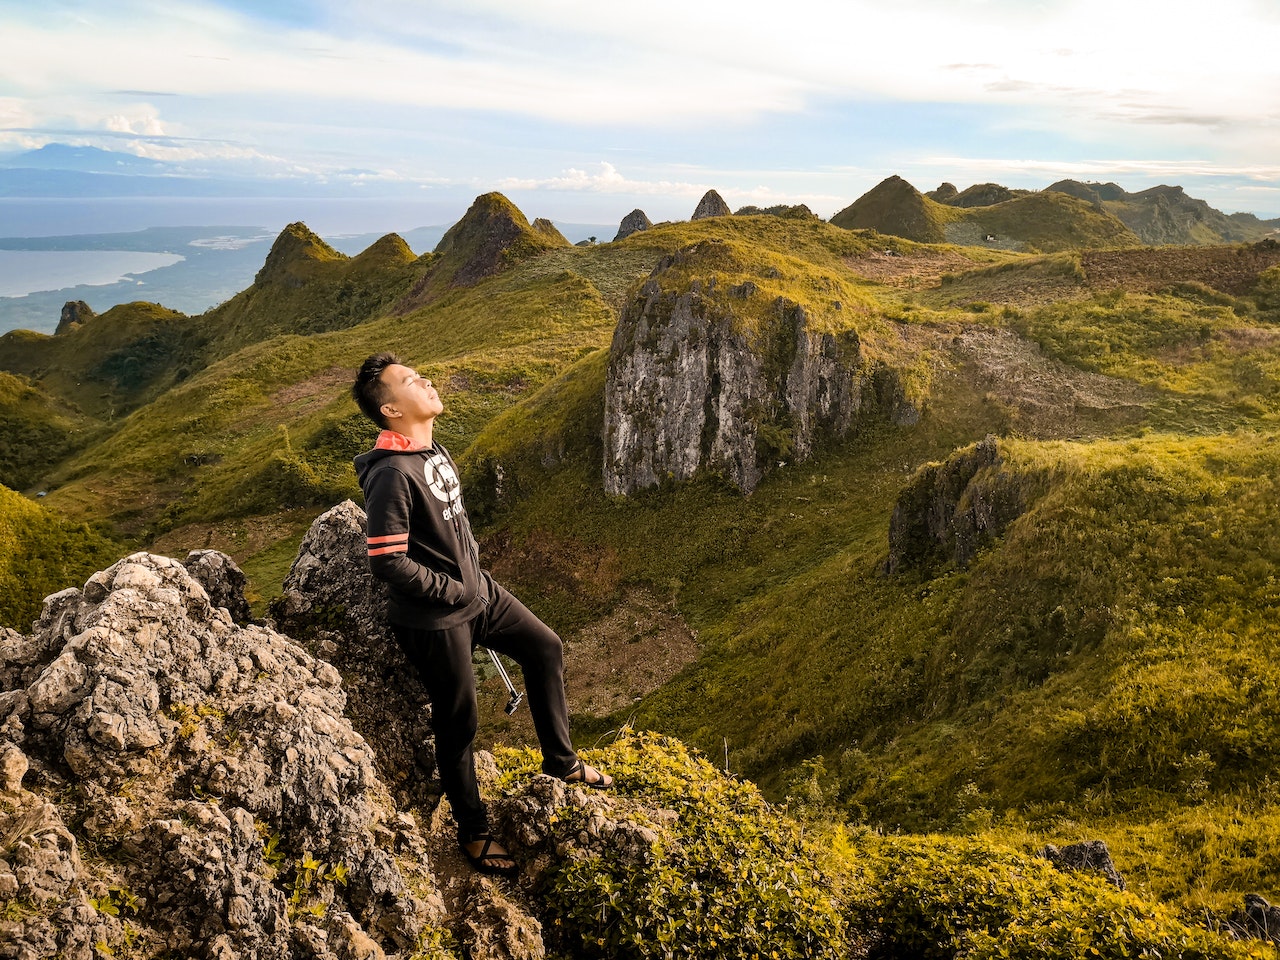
(486, 855)
(587, 776)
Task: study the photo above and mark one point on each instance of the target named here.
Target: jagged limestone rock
(74, 313)
(689, 389)
(213, 758)
(711, 205)
(633, 222)
(333, 604)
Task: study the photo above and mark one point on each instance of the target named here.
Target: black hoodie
(420, 540)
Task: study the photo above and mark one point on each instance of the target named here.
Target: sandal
(578, 774)
(486, 862)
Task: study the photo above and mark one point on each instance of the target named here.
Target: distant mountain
(1160, 215)
(61, 156)
(1166, 214)
(1021, 221)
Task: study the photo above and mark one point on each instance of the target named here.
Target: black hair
(369, 392)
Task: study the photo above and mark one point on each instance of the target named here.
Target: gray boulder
(633, 222)
(334, 607)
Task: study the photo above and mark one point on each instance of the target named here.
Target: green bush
(925, 897)
(730, 878)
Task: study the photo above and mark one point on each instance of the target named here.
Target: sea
(36, 271)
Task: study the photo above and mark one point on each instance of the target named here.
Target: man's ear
(390, 412)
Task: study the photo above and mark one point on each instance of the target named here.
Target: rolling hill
(1031, 597)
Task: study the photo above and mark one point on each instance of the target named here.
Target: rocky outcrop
(1258, 919)
(633, 222)
(334, 607)
(222, 580)
(74, 313)
(1091, 856)
(945, 193)
(232, 809)
(691, 388)
(947, 511)
(173, 784)
(711, 205)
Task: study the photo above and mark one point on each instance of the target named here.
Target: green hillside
(1067, 631)
(42, 553)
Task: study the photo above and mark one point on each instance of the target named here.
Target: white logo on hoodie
(443, 483)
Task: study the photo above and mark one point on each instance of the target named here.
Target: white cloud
(1125, 79)
(146, 126)
(1045, 169)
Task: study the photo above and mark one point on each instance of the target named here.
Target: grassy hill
(1036, 686)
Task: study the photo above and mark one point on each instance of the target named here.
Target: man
(442, 603)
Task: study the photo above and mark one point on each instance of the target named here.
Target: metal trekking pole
(514, 703)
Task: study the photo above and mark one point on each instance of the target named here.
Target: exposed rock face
(1090, 855)
(333, 605)
(947, 511)
(74, 313)
(711, 205)
(211, 763)
(689, 389)
(633, 222)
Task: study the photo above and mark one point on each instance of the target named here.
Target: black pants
(443, 661)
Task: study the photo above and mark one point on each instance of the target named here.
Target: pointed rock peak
(296, 244)
(549, 230)
(711, 205)
(633, 222)
(945, 193)
(74, 313)
(492, 235)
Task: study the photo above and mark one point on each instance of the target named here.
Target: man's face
(413, 398)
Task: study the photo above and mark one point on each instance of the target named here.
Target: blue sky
(581, 110)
